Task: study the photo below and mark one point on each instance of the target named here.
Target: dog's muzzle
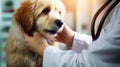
(58, 25)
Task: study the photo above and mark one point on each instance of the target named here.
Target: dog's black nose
(59, 23)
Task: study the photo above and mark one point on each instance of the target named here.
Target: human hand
(36, 43)
(66, 36)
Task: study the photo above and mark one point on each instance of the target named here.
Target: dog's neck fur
(17, 41)
(15, 33)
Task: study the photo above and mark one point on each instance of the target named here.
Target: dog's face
(44, 16)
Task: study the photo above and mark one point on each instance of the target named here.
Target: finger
(27, 37)
(29, 46)
(37, 35)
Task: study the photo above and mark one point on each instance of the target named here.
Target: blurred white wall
(70, 18)
(85, 12)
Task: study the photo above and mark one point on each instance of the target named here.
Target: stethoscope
(97, 34)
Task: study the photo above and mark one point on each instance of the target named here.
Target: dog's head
(44, 16)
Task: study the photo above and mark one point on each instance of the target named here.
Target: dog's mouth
(50, 31)
(58, 25)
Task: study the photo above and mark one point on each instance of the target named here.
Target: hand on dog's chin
(50, 35)
(50, 38)
(37, 43)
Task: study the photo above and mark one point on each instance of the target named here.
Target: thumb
(26, 36)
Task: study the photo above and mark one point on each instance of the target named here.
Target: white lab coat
(104, 52)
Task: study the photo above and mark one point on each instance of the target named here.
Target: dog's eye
(46, 10)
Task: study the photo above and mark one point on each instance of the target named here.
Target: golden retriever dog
(44, 16)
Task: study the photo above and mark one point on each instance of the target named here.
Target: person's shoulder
(116, 14)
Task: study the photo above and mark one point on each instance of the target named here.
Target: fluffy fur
(44, 16)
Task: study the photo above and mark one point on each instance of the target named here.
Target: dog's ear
(24, 17)
(28, 0)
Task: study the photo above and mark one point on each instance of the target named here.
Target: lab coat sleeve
(104, 52)
(80, 42)
(54, 57)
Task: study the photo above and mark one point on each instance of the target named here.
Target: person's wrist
(69, 41)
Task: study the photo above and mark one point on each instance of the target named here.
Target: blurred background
(78, 17)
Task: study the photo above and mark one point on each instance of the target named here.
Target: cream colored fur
(17, 54)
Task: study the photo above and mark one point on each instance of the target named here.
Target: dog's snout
(59, 23)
